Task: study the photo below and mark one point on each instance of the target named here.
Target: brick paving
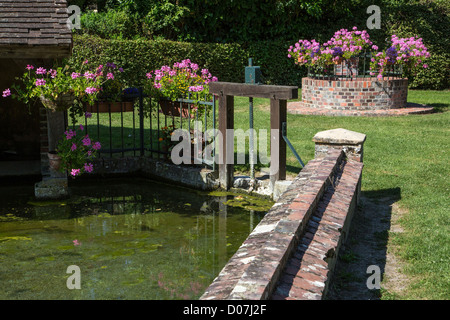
(297, 107)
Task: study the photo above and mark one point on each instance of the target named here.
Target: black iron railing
(142, 129)
(352, 69)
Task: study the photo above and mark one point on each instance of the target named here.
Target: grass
(406, 159)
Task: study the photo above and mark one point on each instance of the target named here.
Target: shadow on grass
(366, 246)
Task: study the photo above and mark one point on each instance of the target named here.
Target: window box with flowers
(183, 81)
(111, 96)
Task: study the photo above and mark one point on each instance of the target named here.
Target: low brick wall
(292, 252)
(356, 94)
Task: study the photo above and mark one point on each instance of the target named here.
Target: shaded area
(366, 245)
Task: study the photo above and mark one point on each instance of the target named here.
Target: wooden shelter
(32, 32)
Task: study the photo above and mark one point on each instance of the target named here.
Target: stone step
(309, 269)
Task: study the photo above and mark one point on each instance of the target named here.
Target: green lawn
(406, 159)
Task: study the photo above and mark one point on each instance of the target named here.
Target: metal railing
(356, 67)
(141, 130)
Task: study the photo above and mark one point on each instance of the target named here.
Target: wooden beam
(254, 90)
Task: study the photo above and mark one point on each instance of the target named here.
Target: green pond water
(134, 239)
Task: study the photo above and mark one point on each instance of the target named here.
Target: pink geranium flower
(75, 172)
(6, 93)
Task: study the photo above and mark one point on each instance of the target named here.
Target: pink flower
(81, 127)
(87, 141)
(30, 67)
(425, 66)
(73, 147)
(88, 167)
(91, 90)
(53, 73)
(89, 75)
(110, 76)
(75, 75)
(41, 70)
(96, 146)
(75, 172)
(76, 243)
(40, 82)
(6, 93)
(70, 134)
(85, 62)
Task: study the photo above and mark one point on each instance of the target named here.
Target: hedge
(225, 61)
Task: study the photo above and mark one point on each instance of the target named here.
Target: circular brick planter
(356, 94)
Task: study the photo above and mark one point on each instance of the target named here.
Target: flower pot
(173, 108)
(63, 102)
(338, 61)
(301, 60)
(106, 106)
(54, 161)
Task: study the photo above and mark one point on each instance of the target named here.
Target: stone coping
(253, 271)
(339, 136)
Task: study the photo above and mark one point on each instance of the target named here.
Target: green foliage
(262, 29)
(110, 25)
(137, 57)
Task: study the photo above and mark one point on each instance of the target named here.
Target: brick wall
(356, 94)
(43, 136)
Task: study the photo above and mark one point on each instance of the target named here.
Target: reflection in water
(131, 240)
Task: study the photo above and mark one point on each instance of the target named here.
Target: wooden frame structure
(278, 95)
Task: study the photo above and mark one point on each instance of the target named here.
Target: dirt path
(367, 245)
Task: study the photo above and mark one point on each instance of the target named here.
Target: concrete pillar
(350, 142)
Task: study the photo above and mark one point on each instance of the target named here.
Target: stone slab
(339, 136)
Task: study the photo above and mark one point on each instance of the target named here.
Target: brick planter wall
(356, 94)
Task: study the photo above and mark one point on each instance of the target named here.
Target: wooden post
(277, 144)
(226, 143)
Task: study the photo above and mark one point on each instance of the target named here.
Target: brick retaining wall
(356, 94)
(292, 252)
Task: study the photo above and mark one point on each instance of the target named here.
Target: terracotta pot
(105, 107)
(172, 108)
(54, 161)
(338, 61)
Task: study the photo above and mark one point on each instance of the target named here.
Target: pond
(130, 239)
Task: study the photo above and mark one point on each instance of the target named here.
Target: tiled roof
(34, 26)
